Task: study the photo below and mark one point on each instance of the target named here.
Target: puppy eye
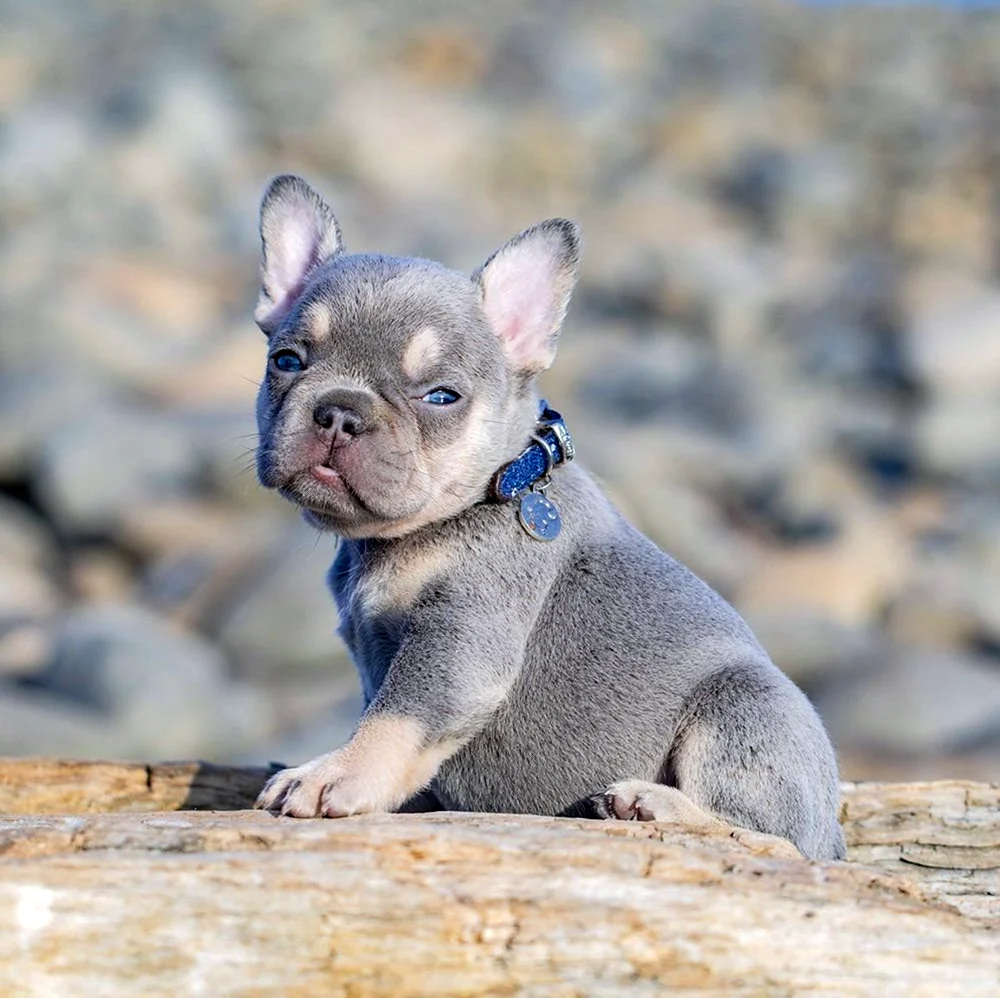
(441, 396)
(288, 361)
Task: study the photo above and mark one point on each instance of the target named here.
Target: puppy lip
(326, 475)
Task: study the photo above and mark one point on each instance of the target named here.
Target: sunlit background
(783, 359)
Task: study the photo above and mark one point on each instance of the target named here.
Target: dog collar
(526, 478)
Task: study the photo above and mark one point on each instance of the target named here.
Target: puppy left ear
(298, 233)
(526, 285)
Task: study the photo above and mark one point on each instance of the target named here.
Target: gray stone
(34, 723)
(106, 460)
(307, 741)
(814, 650)
(26, 592)
(957, 435)
(23, 536)
(284, 621)
(34, 406)
(166, 691)
(25, 647)
(953, 337)
(920, 702)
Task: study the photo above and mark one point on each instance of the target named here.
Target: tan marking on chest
(396, 584)
(421, 352)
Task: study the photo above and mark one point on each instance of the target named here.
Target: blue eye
(441, 396)
(288, 360)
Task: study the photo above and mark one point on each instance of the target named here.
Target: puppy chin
(320, 521)
(328, 502)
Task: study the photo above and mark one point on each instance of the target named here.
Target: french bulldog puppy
(521, 647)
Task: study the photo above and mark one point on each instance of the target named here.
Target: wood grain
(123, 894)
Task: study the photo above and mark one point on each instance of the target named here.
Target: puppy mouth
(349, 490)
(328, 476)
(320, 488)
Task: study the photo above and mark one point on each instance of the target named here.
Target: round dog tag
(539, 517)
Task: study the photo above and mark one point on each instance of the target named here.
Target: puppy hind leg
(752, 752)
(639, 800)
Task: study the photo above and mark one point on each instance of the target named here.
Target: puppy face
(395, 387)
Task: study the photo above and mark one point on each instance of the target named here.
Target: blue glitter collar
(551, 446)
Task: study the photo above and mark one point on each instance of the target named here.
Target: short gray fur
(559, 667)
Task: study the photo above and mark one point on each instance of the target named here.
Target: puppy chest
(394, 584)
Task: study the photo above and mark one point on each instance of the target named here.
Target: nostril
(344, 421)
(323, 416)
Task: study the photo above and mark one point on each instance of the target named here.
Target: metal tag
(539, 517)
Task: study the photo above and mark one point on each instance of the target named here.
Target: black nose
(338, 418)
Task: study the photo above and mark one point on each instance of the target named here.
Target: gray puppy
(521, 647)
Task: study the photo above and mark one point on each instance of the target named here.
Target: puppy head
(395, 387)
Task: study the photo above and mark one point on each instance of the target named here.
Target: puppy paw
(638, 800)
(322, 787)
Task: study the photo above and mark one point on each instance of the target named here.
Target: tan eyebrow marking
(317, 321)
(421, 352)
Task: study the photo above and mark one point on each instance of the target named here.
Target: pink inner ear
(523, 303)
(296, 248)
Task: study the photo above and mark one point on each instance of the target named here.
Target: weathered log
(943, 835)
(66, 786)
(242, 903)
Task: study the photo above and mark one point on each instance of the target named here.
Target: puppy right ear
(298, 233)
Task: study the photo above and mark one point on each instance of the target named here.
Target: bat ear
(526, 286)
(298, 233)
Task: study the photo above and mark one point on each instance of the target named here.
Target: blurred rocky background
(783, 359)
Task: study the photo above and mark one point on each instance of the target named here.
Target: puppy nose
(339, 418)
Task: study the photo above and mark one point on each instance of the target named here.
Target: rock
(458, 904)
(847, 580)
(32, 722)
(224, 375)
(920, 702)
(687, 525)
(28, 595)
(35, 406)
(667, 380)
(25, 592)
(952, 339)
(287, 596)
(44, 146)
(27, 555)
(25, 648)
(327, 724)
(826, 185)
(812, 648)
(226, 443)
(983, 556)
(953, 435)
(164, 527)
(941, 834)
(23, 536)
(199, 555)
(784, 329)
(937, 609)
(105, 461)
(166, 691)
(374, 117)
(100, 575)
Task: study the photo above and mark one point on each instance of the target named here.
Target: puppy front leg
(390, 758)
(432, 701)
